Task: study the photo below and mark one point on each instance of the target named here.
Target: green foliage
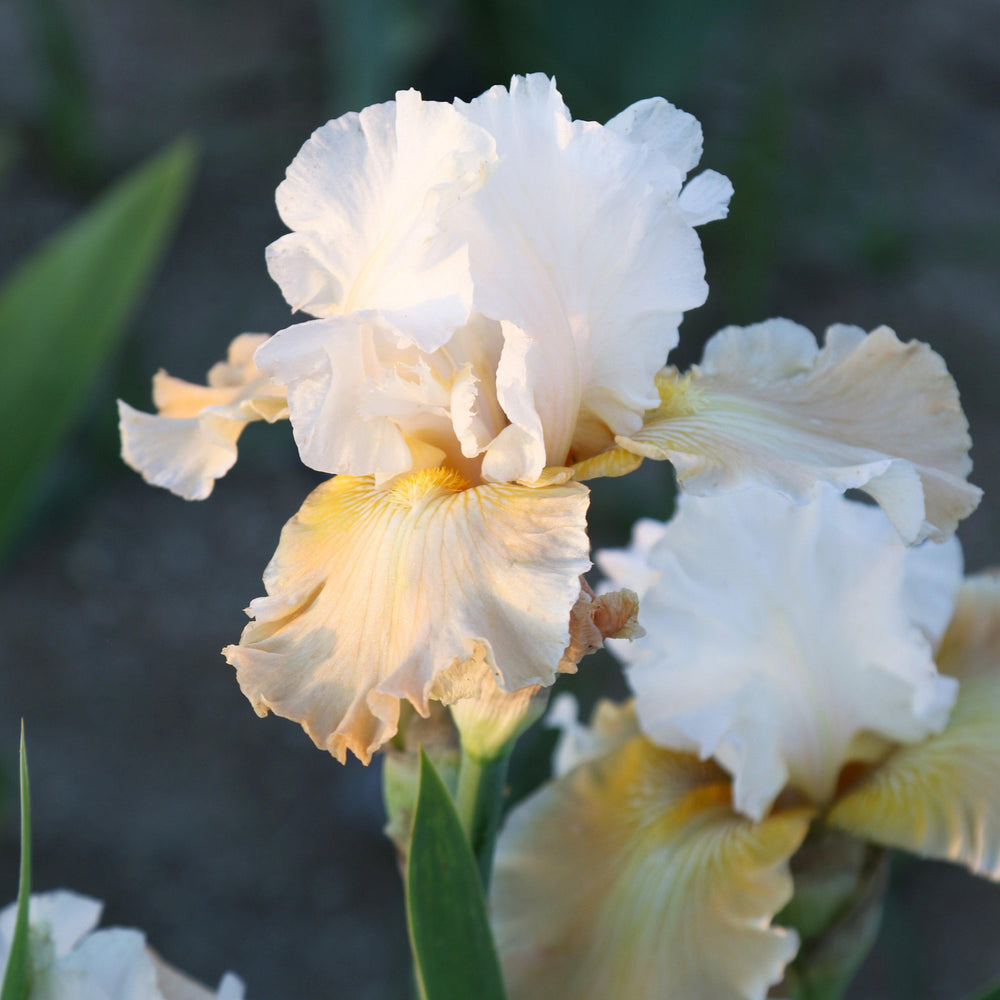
(990, 994)
(64, 309)
(450, 935)
(17, 978)
(65, 126)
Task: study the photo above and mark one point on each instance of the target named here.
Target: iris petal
(378, 594)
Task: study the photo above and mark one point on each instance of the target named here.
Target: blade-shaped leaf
(17, 978)
(449, 932)
(63, 310)
(990, 994)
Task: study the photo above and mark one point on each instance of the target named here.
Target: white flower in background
(72, 961)
(800, 666)
(786, 641)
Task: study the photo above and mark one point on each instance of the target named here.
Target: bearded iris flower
(494, 290)
(801, 668)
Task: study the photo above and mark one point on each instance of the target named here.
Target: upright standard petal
(679, 891)
(782, 640)
(378, 594)
(191, 441)
(941, 798)
(579, 246)
(767, 406)
(364, 196)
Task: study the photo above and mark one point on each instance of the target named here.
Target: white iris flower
(800, 665)
(72, 961)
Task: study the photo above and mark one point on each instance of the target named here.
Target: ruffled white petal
(780, 640)
(361, 404)
(111, 964)
(941, 798)
(64, 917)
(378, 594)
(191, 441)
(577, 243)
(632, 567)
(705, 198)
(767, 406)
(931, 585)
(364, 196)
(632, 877)
(658, 125)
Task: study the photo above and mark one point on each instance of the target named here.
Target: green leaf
(17, 978)
(65, 308)
(449, 932)
(990, 994)
(66, 123)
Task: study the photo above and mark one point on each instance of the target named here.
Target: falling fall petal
(941, 798)
(767, 406)
(191, 441)
(378, 594)
(679, 891)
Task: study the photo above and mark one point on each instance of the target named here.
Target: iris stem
(479, 802)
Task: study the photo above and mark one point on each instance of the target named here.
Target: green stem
(479, 802)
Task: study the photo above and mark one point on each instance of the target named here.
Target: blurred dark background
(863, 140)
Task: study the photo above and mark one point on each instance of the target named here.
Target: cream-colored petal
(612, 463)
(781, 637)
(632, 877)
(364, 403)
(191, 441)
(375, 592)
(175, 985)
(364, 196)
(767, 406)
(577, 242)
(611, 724)
(488, 717)
(941, 798)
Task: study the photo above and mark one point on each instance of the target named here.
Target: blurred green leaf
(63, 310)
(17, 978)
(449, 932)
(990, 994)
(66, 124)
